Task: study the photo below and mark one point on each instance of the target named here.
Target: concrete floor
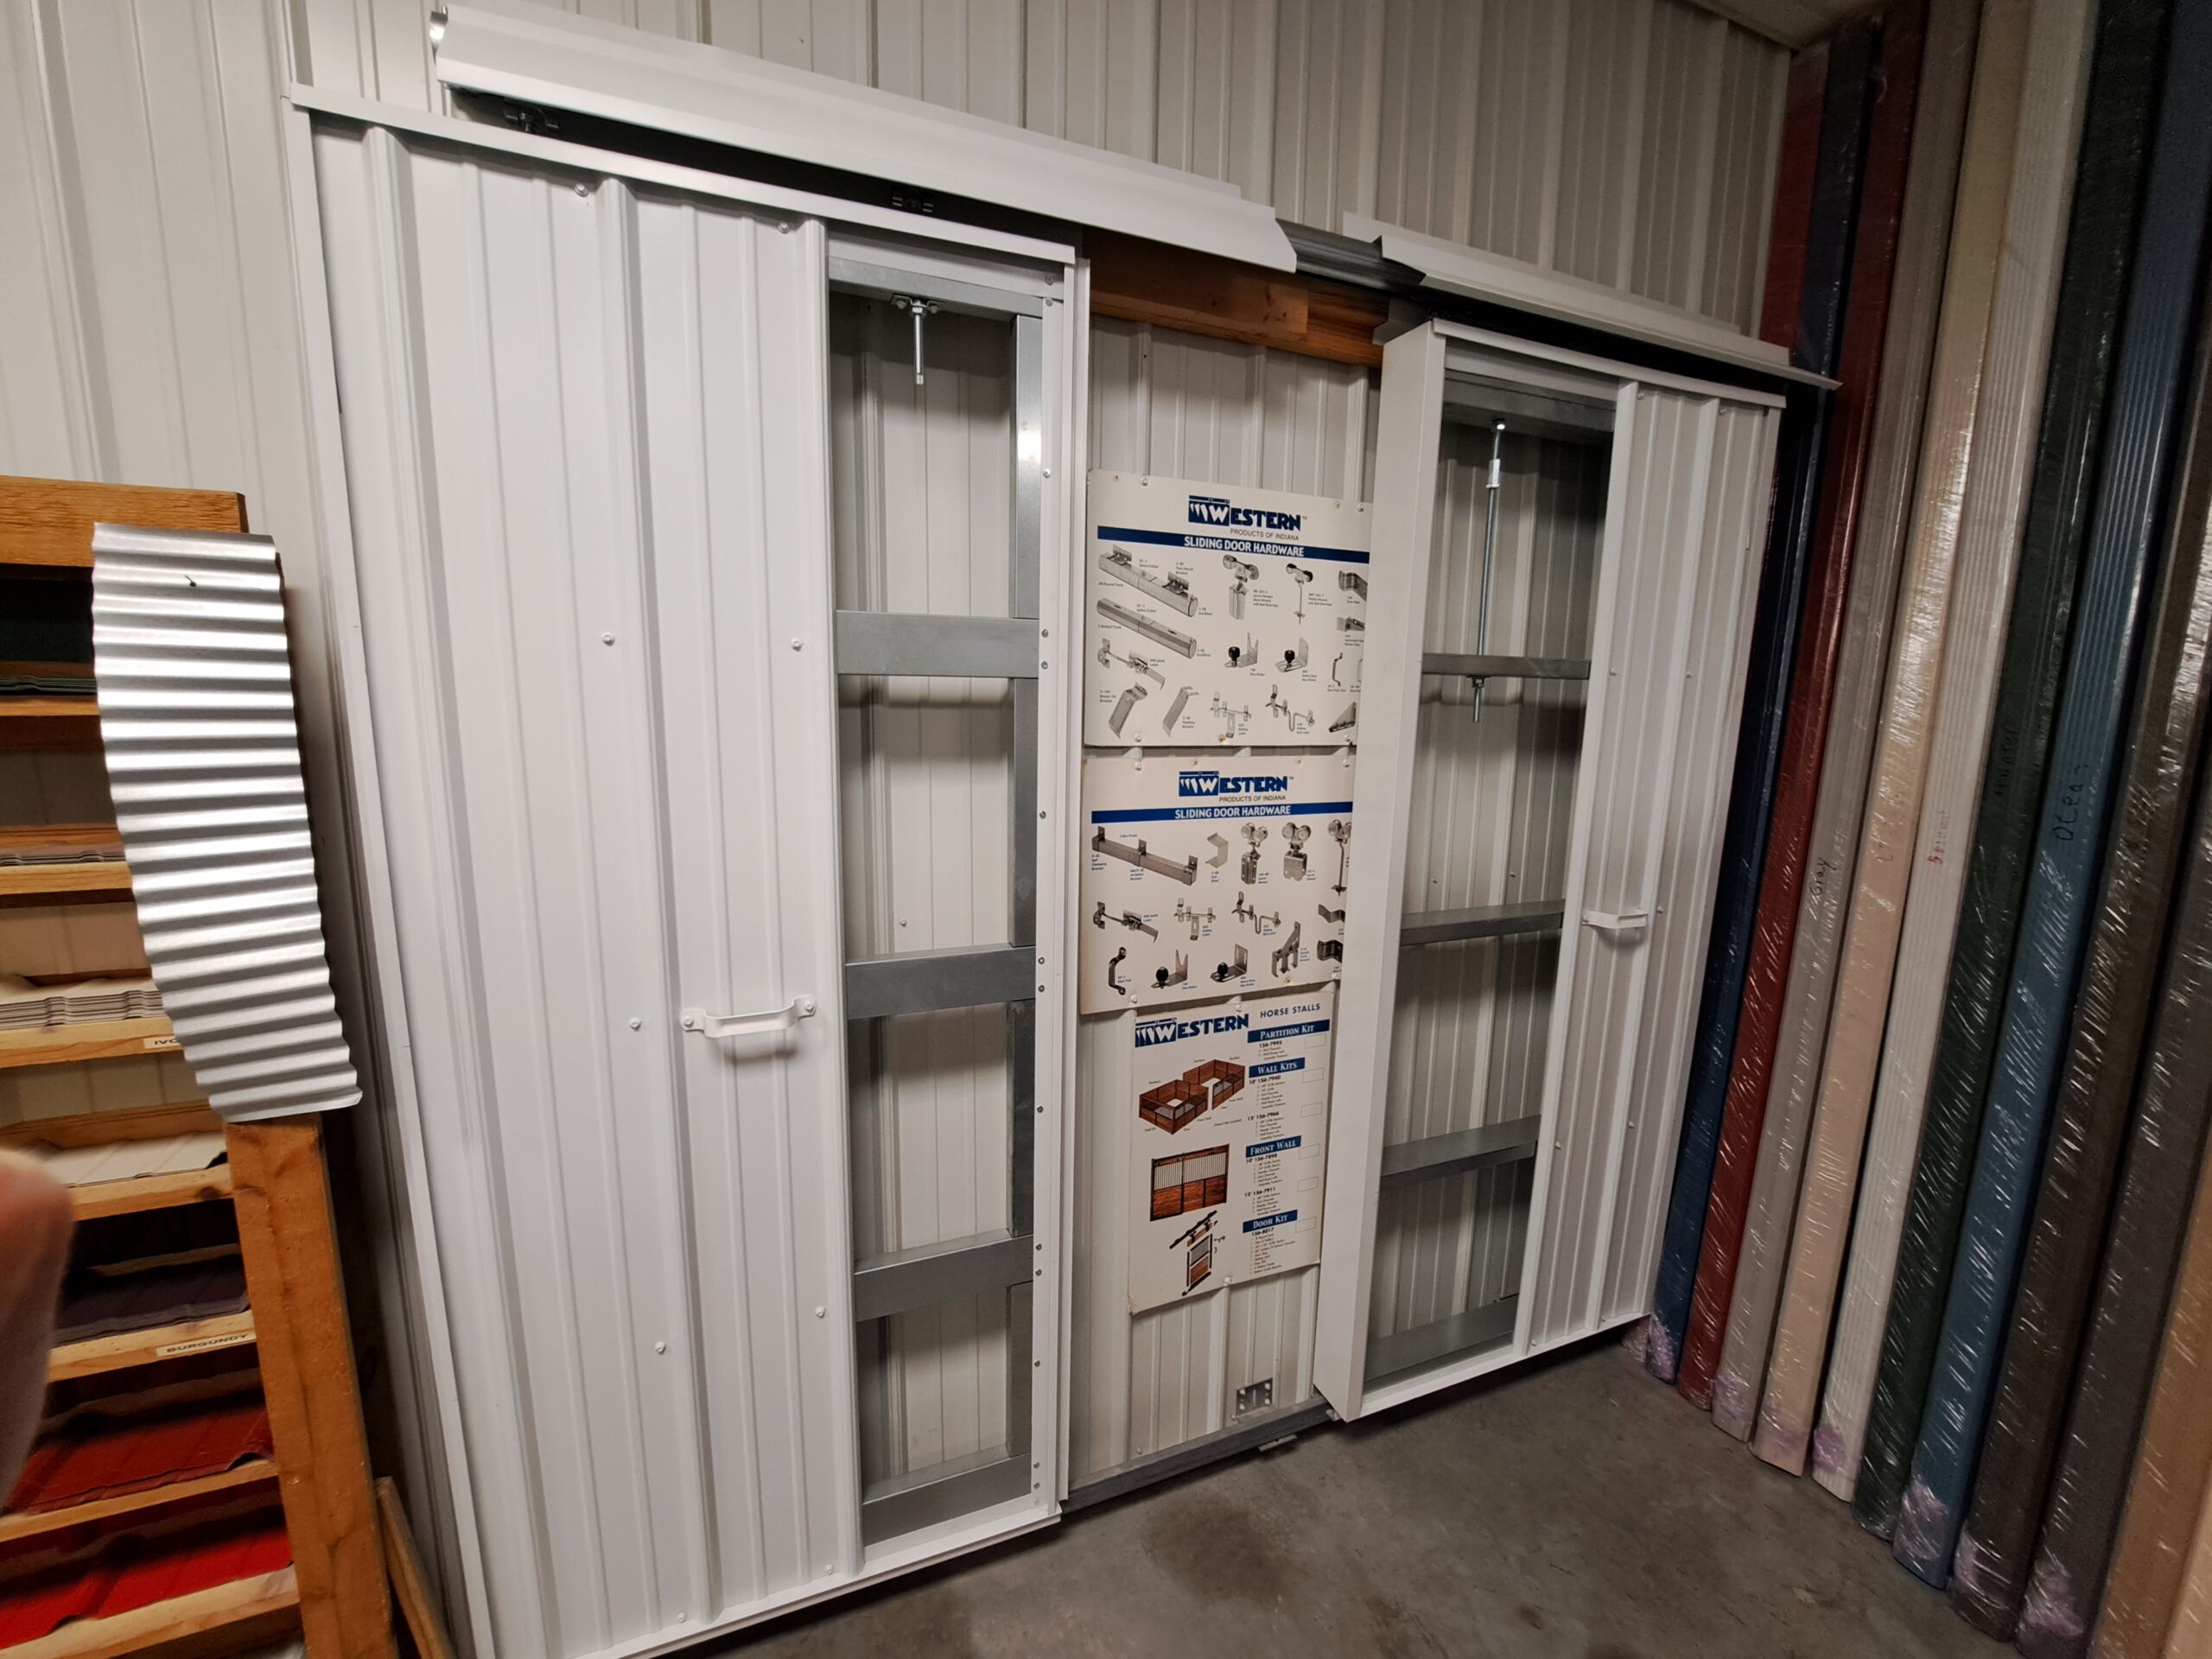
(1575, 1509)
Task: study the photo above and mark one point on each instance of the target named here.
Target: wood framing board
(2173, 1467)
(1989, 550)
(2100, 248)
(2088, 1118)
(1804, 995)
(46, 521)
(1777, 620)
(2191, 1635)
(1200, 294)
(2118, 571)
(2161, 1170)
(1812, 690)
(288, 1238)
(1900, 764)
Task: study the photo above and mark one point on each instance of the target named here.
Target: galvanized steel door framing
(584, 500)
(1686, 496)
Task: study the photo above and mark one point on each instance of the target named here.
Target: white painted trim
(537, 55)
(724, 187)
(1455, 269)
(1404, 518)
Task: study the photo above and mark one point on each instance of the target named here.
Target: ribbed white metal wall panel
(574, 480)
(1178, 406)
(1629, 142)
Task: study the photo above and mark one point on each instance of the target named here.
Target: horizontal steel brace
(918, 981)
(941, 647)
(933, 1274)
(1474, 667)
(1482, 922)
(1478, 1327)
(858, 275)
(906, 1503)
(1140, 1472)
(1435, 1156)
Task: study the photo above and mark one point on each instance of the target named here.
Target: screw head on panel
(799, 644)
(821, 1312)
(636, 1024)
(605, 638)
(661, 1347)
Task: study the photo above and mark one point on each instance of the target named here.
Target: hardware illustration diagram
(1207, 878)
(1218, 616)
(1227, 1119)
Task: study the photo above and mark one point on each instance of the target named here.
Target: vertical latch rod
(1490, 548)
(917, 309)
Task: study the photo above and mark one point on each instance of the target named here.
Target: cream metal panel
(578, 717)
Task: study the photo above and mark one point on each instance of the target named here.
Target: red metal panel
(1793, 197)
(106, 1457)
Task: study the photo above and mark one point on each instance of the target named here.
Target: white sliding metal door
(1549, 769)
(655, 956)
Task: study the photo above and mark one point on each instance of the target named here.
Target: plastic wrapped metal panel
(1900, 764)
(1799, 162)
(2119, 565)
(1802, 987)
(2173, 1480)
(2100, 246)
(2161, 1171)
(1774, 649)
(2089, 1116)
(1781, 885)
(1989, 550)
(1178, 405)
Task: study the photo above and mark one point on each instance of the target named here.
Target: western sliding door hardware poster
(1209, 877)
(1227, 1127)
(1215, 615)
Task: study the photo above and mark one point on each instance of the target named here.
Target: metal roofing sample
(203, 757)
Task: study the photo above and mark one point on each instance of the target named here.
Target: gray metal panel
(906, 1502)
(858, 277)
(1459, 1333)
(1493, 667)
(919, 981)
(203, 755)
(1243, 1436)
(1480, 922)
(952, 647)
(1439, 1155)
(933, 1274)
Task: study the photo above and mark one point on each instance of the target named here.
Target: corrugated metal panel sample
(1791, 1084)
(1789, 544)
(1989, 550)
(1178, 405)
(1781, 885)
(203, 758)
(2150, 383)
(2099, 246)
(1786, 1407)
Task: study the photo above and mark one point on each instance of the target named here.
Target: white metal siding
(572, 480)
(1693, 505)
(1179, 406)
(1630, 141)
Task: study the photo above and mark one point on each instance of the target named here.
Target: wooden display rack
(335, 1589)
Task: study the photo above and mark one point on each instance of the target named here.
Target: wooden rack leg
(288, 1237)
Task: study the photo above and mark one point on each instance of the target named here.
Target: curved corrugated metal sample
(203, 758)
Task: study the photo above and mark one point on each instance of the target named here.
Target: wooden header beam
(1172, 288)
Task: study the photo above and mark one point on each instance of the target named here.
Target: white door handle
(1623, 921)
(748, 1025)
